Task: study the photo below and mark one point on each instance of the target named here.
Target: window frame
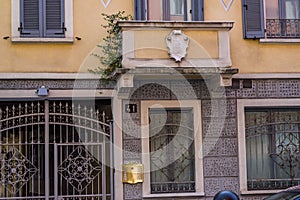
(252, 29)
(254, 103)
(195, 105)
(16, 19)
(169, 153)
(141, 10)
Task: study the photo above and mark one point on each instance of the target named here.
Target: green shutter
(30, 18)
(54, 18)
(253, 18)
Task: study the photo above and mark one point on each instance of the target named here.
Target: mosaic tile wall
(56, 84)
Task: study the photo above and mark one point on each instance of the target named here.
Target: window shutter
(197, 10)
(30, 18)
(54, 25)
(139, 10)
(253, 19)
(166, 10)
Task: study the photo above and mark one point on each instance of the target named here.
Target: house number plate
(131, 108)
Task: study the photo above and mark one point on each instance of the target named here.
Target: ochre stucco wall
(58, 57)
(250, 56)
(152, 44)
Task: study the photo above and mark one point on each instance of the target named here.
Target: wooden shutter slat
(197, 10)
(54, 18)
(139, 10)
(166, 10)
(253, 19)
(30, 18)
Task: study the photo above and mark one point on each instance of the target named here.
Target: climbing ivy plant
(111, 56)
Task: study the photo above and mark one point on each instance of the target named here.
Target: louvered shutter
(253, 19)
(54, 18)
(30, 18)
(166, 10)
(140, 9)
(197, 10)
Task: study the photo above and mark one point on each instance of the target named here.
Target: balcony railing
(283, 28)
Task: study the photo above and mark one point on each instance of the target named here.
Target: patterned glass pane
(272, 147)
(172, 151)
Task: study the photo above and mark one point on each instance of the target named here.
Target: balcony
(283, 28)
(193, 49)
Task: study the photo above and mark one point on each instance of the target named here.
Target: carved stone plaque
(177, 42)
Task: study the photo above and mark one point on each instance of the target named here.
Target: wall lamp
(42, 91)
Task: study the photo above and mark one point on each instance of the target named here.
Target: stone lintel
(224, 75)
(194, 25)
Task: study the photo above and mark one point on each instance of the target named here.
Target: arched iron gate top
(44, 143)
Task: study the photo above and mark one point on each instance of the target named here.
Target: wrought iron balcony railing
(283, 28)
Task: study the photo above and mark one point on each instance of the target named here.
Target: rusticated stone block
(133, 191)
(209, 108)
(267, 88)
(288, 88)
(220, 166)
(247, 92)
(183, 89)
(219, 127)
(155, 90)
(197, 86)
(131, 129)
(252, 197)
(132, 149)
(132, 161)
(219, 108)
(230, 93)
(214, 185)
(220, 147)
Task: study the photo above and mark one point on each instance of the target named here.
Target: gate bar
(103, 168)
(112, 166)
(47, 177)
(55, 172)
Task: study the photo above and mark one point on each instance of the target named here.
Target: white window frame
(195, 105)
(241, 105)
(15, 23)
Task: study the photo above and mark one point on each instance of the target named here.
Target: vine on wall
(111, 57)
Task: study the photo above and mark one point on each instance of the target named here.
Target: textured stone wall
(219, 125)
(219, 120)
(220, 133)
(57, 84)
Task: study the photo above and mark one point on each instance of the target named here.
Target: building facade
(207, 99)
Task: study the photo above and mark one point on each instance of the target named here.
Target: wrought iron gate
(55, 150)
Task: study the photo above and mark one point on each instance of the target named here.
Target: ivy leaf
(111, 49)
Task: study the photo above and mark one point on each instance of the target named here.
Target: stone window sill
(42, 40)
(174, 195)
(279, 40)
(253, 192)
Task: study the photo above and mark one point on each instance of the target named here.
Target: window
(269, 144)
(172, 153)
(279, 19)
(272, 147)
(169, 10)
(42, 18)
(37, 20)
